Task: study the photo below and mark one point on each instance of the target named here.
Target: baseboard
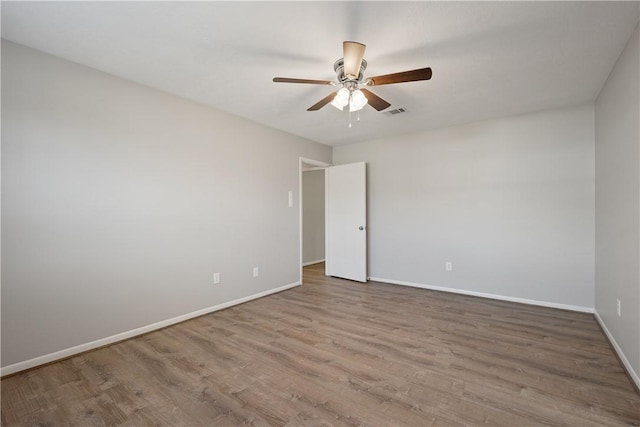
(318, 261)
(82, 348)
(485, 295)
(625, 362)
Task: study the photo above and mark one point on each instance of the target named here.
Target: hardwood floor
(334, 352)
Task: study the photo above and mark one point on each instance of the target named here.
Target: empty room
(320, 213)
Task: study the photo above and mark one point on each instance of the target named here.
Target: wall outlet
(256, 272)
(618, 308)
(216, 278)
(448, 266)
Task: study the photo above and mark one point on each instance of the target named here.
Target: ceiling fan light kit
(358, 100)
(355, 99)
(341, 99)
(350, 75)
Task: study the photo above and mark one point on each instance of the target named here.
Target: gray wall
(617, 136)
(510, 202)
(119, 202)
(312, 216)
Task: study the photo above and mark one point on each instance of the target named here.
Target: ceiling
(489, 59)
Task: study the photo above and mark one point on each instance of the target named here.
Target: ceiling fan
(349, 70)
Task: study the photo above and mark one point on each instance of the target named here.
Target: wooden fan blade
(353, 54)
(374, 100)
(402, 77)
(307, 81)
(324, 101)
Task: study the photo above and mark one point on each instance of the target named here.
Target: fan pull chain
(349, 118)
(358, 116)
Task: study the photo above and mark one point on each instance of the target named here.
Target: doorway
(312, 212)
(344, 214)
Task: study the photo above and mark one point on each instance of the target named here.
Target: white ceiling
(489, 59)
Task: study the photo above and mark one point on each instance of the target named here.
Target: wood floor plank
(340, 353)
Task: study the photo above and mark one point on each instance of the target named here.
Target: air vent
(395, 112)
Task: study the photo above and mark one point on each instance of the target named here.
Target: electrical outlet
(618, 308)
(448, 266)
(216, 278)
(256, 272)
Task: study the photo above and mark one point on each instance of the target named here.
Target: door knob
(361, 228)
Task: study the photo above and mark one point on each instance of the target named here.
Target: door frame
(320, 165)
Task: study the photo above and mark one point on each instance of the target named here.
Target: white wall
(617, 265)
(510, 202)
(312, 216)
(119, 202)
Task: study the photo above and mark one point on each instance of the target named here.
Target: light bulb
(341, 99)
(357, 101)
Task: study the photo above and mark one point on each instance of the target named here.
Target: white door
(346, 221)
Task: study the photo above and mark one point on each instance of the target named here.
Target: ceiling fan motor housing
(338, 67)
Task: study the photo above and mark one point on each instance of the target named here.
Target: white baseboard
(68, 352)
(632, 373)
(313, 262)
(485, 295)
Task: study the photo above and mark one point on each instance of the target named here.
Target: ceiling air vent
(395, 112)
